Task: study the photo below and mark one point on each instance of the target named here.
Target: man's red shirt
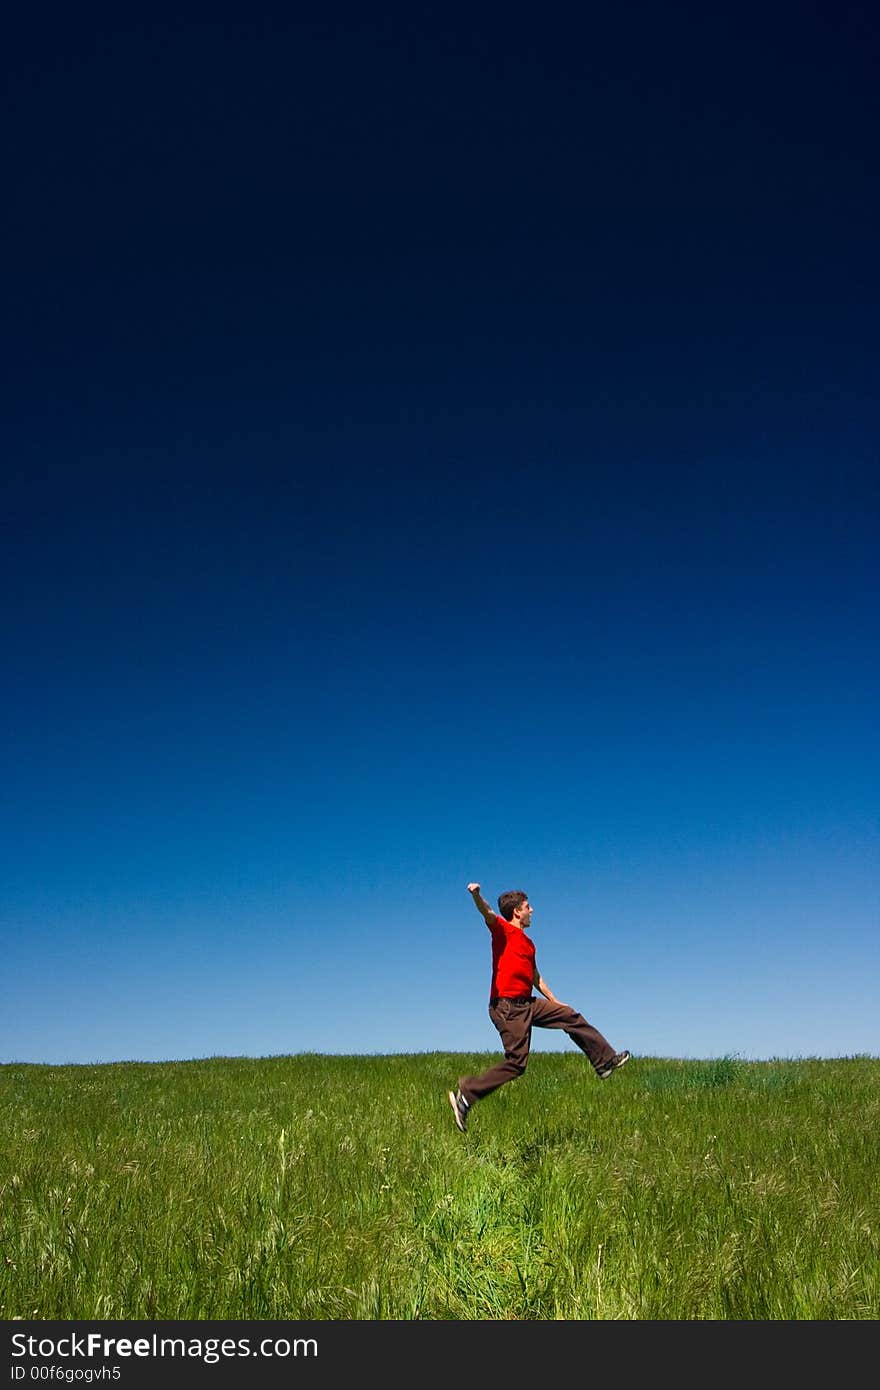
(513, 960)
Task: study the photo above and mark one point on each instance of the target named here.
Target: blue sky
(433, 462)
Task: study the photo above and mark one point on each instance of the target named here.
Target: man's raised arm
(481, 905)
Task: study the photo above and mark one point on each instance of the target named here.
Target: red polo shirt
(513, 960)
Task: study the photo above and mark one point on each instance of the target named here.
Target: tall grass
(315, 1187)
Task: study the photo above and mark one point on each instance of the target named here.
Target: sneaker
(460, 1108)
(619, 1059)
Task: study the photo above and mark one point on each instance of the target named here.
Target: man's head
(514, 907)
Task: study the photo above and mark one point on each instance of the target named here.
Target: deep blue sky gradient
(441, 451)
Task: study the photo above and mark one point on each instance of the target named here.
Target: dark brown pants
(514, 1021)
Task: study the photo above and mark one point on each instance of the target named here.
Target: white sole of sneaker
(604, 1075)
(455, 1112)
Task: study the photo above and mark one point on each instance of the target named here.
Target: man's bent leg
(514, 1023)
(588, 1038)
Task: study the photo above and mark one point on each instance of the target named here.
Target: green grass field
(317, 1187)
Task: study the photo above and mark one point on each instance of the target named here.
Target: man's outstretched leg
(599, 1050)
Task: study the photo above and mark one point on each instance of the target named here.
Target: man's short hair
(509, 902)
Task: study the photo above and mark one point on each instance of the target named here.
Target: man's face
(523, 913)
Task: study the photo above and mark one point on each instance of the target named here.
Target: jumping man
(515, 1011)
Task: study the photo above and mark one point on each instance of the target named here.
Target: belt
(512, 999)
